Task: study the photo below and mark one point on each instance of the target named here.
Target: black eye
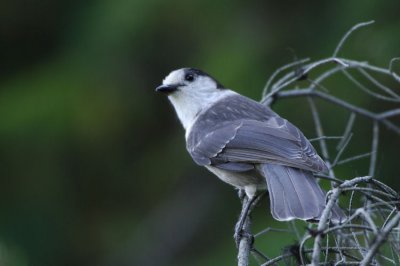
(189, 77)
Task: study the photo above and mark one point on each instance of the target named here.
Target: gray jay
(248, 145)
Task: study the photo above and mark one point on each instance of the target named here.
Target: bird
(249, 146)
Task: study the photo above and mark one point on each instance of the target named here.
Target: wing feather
(244, 139)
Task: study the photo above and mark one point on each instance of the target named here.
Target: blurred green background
(93, 164)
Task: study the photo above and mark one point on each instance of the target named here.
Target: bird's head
(189, 81)
(190, 91)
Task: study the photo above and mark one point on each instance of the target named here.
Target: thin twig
(368, 91)
(369, 190)
(388, 114)
(378, 84)
(394, 75)
(322, 224)
(348, 33)
(347, 130)
(380, 238)
(318, 129)
(339, 154)
(317, 82)
(384, 187)
(327, 211)
(341, 103)
(270, 229)
(279, 70)
(258, 254)
(374, 149)
(353, 158)
(325, 137)
(292, 77)
(275, 260)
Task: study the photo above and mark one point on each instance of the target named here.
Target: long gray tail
(295, 194)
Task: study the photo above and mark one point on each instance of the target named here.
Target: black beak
(167, 89)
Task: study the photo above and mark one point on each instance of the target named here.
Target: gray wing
(239, 144)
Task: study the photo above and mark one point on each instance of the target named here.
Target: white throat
(188, 106)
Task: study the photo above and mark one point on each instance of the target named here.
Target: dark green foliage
(93, 166)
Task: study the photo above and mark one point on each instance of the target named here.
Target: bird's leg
(239, 233)
(241, 195)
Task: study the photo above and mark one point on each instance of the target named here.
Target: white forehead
(174, 77)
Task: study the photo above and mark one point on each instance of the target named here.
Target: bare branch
(279, 70)
(325, 137)
(317, 82)
(245, 242)
(339, 154)
(319, 130)
(244, 248)
(341, 103)
(378, 84)
(346, 36)
(375, 140)
(388, 114)
(370, 233)
(368, 91)
(347, 130)
(394, 75)
(334, 195)
(270, 229)
(380, 238)
(361, 156)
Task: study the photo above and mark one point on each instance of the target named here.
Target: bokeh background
(93, 166)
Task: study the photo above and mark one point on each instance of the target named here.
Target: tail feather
(295, 194)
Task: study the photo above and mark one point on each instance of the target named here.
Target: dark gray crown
(198, 72)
